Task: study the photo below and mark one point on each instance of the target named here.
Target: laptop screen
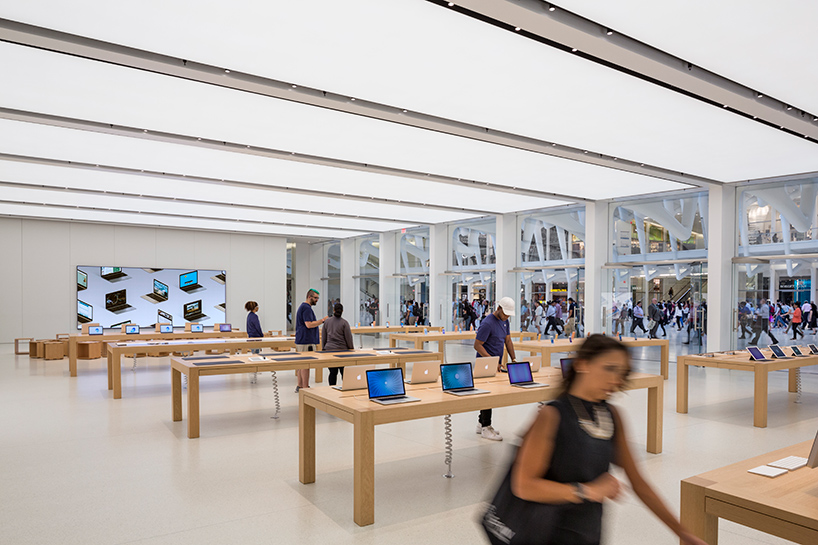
(188, 279)
(86, 310)
(519, 372)
(755, 353)
(777, 351)
(795, 351)
(456, 375)
(131, 329)
(194, 307)
(115, 299)
(95, 330)
(82, 279)
(104, 271)
(565, 365)
(196, 328)
(385, 382)
(166, 328)
(225, 328)
(160, 289)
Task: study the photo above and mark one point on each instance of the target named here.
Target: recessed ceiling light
(551, 8)
(451, 4)
(516, 29)
(353, 100)
(609, 32)
(789, 108)
(759, 95)
(574, 49)
(227, 71)
(295, 86)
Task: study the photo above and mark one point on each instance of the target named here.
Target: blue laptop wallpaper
(519, 372)
(457, 375)
(384, 382)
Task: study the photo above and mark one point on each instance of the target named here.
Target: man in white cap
(493, 337)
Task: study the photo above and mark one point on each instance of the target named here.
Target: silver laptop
(519, 375)
(486, 367)
(424, 372)
(386, 386)
(458, 380)
(354, 378)
(536, 363)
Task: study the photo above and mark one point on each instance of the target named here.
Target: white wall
(39, 261)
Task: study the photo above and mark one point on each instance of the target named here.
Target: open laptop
(131, 329)
(354, 378)
(111, 273)
(755, 354)
(95, 330)
(386, 387)
(424, 372)
(159, 293)
(225, 328)
(486, 367)
(778, 353)
(458, 380)
(165, 328)
(82, 280)
(519, 374)
(189, 281)
(193, 311)
(117, 301)
(565, 365)
(221, 277)
(162, 316)
(535, 362)
(196, 328)
(85, 312)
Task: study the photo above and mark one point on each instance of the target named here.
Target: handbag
(509, 520)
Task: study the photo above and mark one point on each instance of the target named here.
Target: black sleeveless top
(578, 458)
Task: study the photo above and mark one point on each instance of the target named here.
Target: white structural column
(349, 284)
(303, 266)
(506, 255)
(440, 303)
(597, 239)
(389, 301)
(721, 247)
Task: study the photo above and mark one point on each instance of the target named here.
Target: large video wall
(112, 296)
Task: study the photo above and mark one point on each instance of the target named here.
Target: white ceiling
(767, 46)
(113, 94)
(417, 55)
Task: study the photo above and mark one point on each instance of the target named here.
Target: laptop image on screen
(85, 312)
(354, 377)
(755, 354)
(519, 374)
(189, 281)
(159, 293)
(778, 353)
(386, 386)
(457, 379)
(424, 372)
(486, 367)
(82, 280)
(162, 316)
(116, 301)
(111, 273)
(565, 365)
(193, 311)
(221, 278)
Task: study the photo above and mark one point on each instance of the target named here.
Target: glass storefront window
(472, 273)
(368, 281)
(413, 265)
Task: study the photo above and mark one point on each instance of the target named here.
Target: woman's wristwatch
(580, 491)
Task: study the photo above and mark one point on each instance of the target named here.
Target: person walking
(744, 319)
(762, 323)
(551, 318)
(677, 315)
(306, 333)
(336, 335)
(655, 317)
(493, 338)
(797, 318)
(638, 315)
(566, 455)
(571, 322)
(813, 322)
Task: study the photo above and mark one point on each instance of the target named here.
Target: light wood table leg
(419, 344)
(793, 380)
(393, 342)
(760, 398)
(110, 370)
(306, 442)
(694, 515)
(116, 372)
(176, 394)
(665, 359)
(72, 356)
(681, 385)
(319, 374)
(364, 469)
(193, 404)
(656, 396)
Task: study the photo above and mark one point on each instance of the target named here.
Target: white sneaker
(490, 433)
(479, 429)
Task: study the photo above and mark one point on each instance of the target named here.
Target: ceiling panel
(416, 55)
(81, 179)
(768, 46)
(36, 140)
(107, 93)
(104, 216)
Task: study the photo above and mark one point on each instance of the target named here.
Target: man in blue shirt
(493, 336)
(306, 334)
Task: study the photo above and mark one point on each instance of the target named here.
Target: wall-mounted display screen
(144, 297)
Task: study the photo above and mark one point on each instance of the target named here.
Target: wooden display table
(546, 348)
(53, 350)
(372, 329)
(355, 407)
(75, 339)
(418, 339)
(740, 361)
(785, 506)
(88, 350)
(194, 368)
(117, 350)
(17, 351)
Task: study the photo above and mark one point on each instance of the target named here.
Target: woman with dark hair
(253, 323)
(336, 335)
(565, 457)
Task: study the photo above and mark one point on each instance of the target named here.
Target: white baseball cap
(507, 304)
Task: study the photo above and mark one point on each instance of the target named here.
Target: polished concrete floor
(82, 468)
